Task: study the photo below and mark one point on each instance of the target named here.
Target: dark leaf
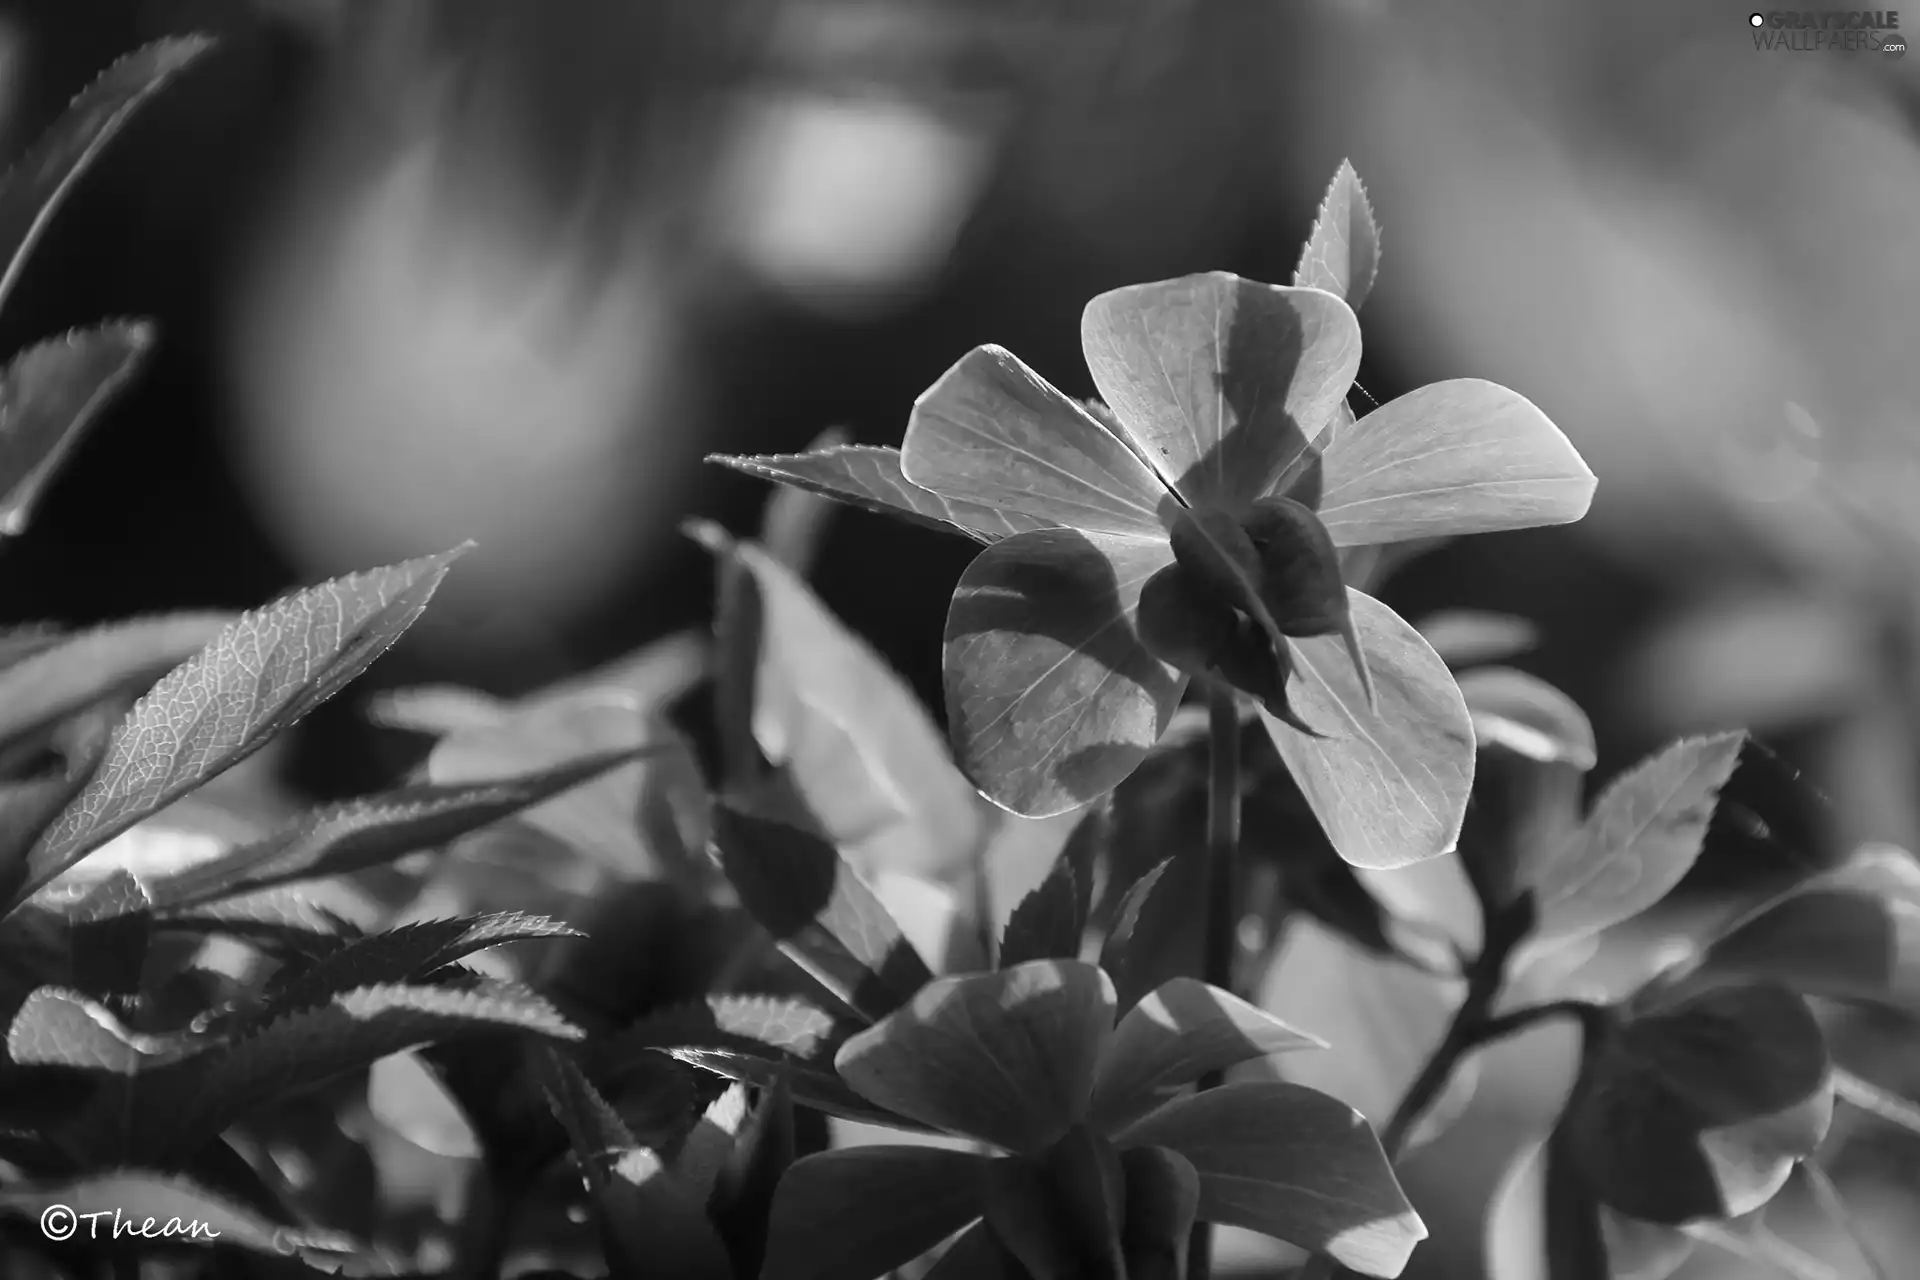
(1162, 1200)
(742, 1202)
(1147, 912)
(112, 927)
(1051, 922)
(403, 954)
(1342, 255)
(814, 1085)
(49, 395)
(860, 1212)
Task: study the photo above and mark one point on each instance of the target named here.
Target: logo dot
(1756, 19)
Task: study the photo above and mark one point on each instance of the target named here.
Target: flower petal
(1456, 457)
(1291, 1163)
(1220, 382)
(1051, 698)
(1388, 784)
(1178, 1033)
(860, 1212)
(1007, 1057)
(992, 432)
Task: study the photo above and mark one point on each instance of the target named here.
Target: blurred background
(507, 270)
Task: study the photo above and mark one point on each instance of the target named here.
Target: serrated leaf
(862, 1212)
(1466, 637)
(1050, 923)
(747, 1022)
(49, 395)
(66, 1029)
(822, 915)
(1290, 1163)
(869, 477)
(1008, 1057)
(1122, 953)
(1639, 841)
(310, 922)
(1219, 382)
(1389, 780)
(406, 953)
(35, 187)
(1701, 1110)
(1342, 255)
(1052, 699)
(863, 756)
(263, 673)
(159, 1206)
(356, 834)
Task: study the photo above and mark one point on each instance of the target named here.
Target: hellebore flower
(1102, 1160)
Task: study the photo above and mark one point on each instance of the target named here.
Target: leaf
(406, 953)
(648, 1220)
(1291, 1163)
(1050, 923)
(49, 395)
(1389, 783)
(157, 1206)
(861, 1212)
(1342, 255)
(404, 1094)
(1527, 716)
(1702, 1110)
(741, 1204)
(1220, 382)
(754, 1023)
(993, 433)
(66, 1029)
(870, 766)
(1052, 699)
(89, 666)
(1380, 1017)
(1451, 458)
(27, 807)
(111, 929)
(17, 644)
(813, 1085)
(870, 477)
(1464, 637)
(1542, 1223)
(1180, 1032)
(977, 1254)
(181, 1106)
(794, 522)
(819, 911)
(1162, 1200)
(310, 921)
(355, 834)
(1007, 1057)
(35, 187)
(1143, 914)
(263, 673)
(1847, 944)
(1639, 841)
(436, 709)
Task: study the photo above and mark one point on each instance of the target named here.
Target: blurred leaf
(1219, 382)
(66, 1029)
(17, 644)
(1389, 782)
(29, 806)
(1291, 1163)
(1871, 1098)
(819, 911)
(1639, 841)
(1701, 1110)
(1543, 1224)
(49, 395)
(1342, 255)
(1162, 1198)
(263, 673)
(39, 182)
(795, 520)
(858, 1213)
(1180, 1032)
(406, 953)
(1008, 1057)
(156, 1202)
(90, 666)
(1465, 637)
(1841, 943)
(1527, 716)
(404, 1094)
(436, 709)
(866, 760)
(1451, 458)
(1052, 699)
(869, 477)
(1050, 923)
(993, 433)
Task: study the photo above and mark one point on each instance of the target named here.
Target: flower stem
(1220, 942)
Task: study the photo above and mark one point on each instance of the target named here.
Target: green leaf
(1290, 1163)
(90, 666)
(648, 1220)
(1464, 637)
(1007, 1057)
(262, 673)
(1342, 255)
(356, 834)
(870, 477)
(1180, 1032)
(1220, 382)
(1388, 782)
(1162, 1200)
(49, 395)
(157, 1206)
(1051, 698)
(1639, 841)
(993, 433)
(35, 187)
(1450, 458)
(1701, 1110)
(406, 953)
(866, 760)
(66, 1029)
(1050, 923)
(861, 1212)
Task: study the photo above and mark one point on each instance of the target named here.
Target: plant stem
(1220, 941)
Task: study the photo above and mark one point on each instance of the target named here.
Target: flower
(1192, 526)
(1100, 1154)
